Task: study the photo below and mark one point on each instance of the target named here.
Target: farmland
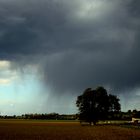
(61, 130)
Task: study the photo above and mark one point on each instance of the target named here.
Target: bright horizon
(25, 94)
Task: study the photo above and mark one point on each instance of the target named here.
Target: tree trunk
(94, 122)
(90, 123)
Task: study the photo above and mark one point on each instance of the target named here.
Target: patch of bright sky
(19, 94)
(91, 9)
(130, 101)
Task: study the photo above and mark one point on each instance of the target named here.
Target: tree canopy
(96, 104)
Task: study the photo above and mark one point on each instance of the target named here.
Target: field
(44, 130)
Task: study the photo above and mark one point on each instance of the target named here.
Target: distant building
(135, 120)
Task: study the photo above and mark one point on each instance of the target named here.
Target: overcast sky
(51, 50)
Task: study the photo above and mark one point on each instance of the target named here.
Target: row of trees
(55, 116)
(50, 116)
(96, 104)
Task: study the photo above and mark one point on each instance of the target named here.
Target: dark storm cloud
(77, 43)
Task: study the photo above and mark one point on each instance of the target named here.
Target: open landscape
(69, 69)
(63, 130)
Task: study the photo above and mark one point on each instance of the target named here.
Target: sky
(52, 50)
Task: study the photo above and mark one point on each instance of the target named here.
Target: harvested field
(43, 130)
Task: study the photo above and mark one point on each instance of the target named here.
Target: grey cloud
(75, 50)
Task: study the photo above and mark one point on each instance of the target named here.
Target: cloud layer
(77, 44)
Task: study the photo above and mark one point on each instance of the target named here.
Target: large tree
(96, 104)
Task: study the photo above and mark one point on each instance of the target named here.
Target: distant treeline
(50, 116)
(55, 116)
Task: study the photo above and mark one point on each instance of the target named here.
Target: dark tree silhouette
(96, 105)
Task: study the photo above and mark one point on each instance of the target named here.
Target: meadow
(61, 130)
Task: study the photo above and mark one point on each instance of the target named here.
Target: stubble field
(43, 130)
